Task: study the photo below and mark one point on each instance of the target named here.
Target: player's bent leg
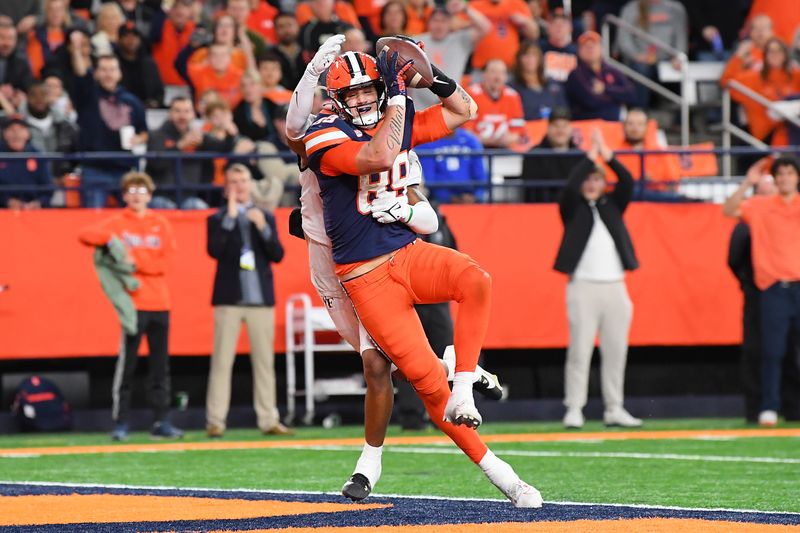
(504, 478)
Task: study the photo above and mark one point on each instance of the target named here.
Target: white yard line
(267, 492)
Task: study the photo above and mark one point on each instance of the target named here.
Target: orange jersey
(205, 78)
(238, 58)
(417, 22)
(495, 117)
(344, 11)
(262, 21)
(665, 167)
(502, 42)
(151, 245)
(777, 86)
(775, 226)
(735, 68)
(166, 50)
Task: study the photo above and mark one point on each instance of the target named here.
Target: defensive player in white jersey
(377, 369)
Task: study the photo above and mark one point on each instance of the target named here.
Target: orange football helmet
(354, 70)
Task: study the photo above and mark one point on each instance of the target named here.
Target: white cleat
(524, 496)
(461, 410)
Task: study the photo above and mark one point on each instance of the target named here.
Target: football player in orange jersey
(360, 157)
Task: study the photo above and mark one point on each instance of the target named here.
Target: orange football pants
(384, 301)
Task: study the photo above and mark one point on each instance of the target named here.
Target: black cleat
(488, 386)
(357, 487)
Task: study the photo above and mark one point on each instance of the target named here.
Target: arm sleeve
(746, 211)
(341, 159)
(98, 234)
(429, 126)
(217, 237)
(158, 264)
(571, 193)
(298, 117)
(623, 192)
(423, 219)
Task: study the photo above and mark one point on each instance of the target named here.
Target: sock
(369, 463)
(498, 471)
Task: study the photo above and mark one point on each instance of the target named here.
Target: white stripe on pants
(260, 323)
(592, 308)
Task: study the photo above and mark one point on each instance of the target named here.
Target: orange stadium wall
(683, 294)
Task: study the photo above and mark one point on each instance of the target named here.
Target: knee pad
(429, 381)
(473, 282)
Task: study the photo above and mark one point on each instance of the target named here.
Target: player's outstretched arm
(298, 117)
(379, 153)
(458, 107)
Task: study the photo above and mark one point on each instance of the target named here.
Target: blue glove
(393, 75)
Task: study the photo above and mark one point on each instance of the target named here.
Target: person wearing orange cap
(594, 89)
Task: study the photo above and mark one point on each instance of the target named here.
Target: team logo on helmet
(354, 70)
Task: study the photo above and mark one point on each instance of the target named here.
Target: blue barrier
(181, 190)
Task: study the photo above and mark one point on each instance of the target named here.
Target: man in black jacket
(595, 252)
(244, 241)
(551, 167)
(139, 71)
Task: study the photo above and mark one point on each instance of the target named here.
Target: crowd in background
(87, 76)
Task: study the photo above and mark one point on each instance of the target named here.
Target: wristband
(443, 86)
(398, 99)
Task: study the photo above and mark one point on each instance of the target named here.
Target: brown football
(420, 75)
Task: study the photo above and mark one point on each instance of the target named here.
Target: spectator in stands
(276, 172)
(224, 32)
(140, 12)
(240, 10)
(775, 228)
(243, 239)
(323, 24)
(560, 53)
(181, 133)
(106, 112)
(455, 164)
(220, 126)
(149, 246)
(59, 65)
(139, 71)
(595, 252)
(551, 167)
(595, 89)
(740, 261)
(58, 98)
(219, 74)
(714, 26)
(777, 80)
(784, 14)
(657, 168)
(261, 20)
(500, 115)
(417, 14)
(170, 33)
(253, 115)
(50, 130)
(108, 21)
(539, 97)
(664, 20)
(749, 55)
(394, 19)
(511, 19)
(449, 50)
(50, 33)
(15, 71)
(30, 173)
(269, 70)
(343, 9)
(356, 41)
(288, 48)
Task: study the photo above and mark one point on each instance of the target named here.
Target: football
(420, 75)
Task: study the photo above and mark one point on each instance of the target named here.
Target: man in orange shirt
(500, 114)
(775, 228)
(169, 33)
(657, 168)
(784, 13)
(509, 18)
(218, 74)
(150, 245)
(749, 55)
(261, 20)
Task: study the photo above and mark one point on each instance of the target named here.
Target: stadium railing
(502, 188)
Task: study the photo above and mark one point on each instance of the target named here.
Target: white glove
(325, 55)
(387, 208)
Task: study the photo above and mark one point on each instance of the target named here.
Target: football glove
(387, 208)
(393, 74)
(325, 55)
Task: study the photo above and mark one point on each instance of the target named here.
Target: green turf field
(743, 473)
